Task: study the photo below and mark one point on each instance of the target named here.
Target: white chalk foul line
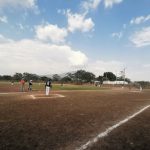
(33, 97)
(135, 91)
(105, 133)
(12, 93)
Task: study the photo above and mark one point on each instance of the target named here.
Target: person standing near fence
(22, 84)
(48, 86)
(30, 85)
(141, 88)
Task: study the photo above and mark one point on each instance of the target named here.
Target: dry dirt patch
(63, 124)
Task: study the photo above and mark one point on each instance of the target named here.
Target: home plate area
(43, 96)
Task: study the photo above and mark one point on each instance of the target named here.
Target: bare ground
(67, 123)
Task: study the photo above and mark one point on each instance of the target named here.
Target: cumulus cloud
(146, 65)
(93, 4)
(140, 19)
(124, 26)
(38, 57)
(90, 4)
(18, 3)
(139, 72)
(141, 38)
(51, 32)
(79, 22)
(118, 35)
(80, 57)
(99, 66)
(110, 3)
(23, 4)
(42, 58)
(4, 40)
(21, 27)
(3, 19)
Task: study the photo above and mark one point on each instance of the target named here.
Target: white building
(115, 82)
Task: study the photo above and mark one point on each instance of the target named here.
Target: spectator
(22, 83)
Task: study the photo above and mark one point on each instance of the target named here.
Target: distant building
(115, 82)
(97, 83)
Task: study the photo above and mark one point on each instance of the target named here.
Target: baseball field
(74, 118)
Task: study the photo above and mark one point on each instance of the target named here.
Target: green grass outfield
(41, 86)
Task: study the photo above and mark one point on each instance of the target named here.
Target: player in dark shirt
(48, 86)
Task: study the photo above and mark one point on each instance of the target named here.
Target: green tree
(66, 79)
(100, 78)
(7, 77)
(71, 76)
(17, 76)
(109, 76)
(28, 76)
(56, 77)
(44, 78)
(128, 80)
(84, 76)
(88, 76)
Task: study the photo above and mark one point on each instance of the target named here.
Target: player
(48, 86)
(30, 85)
(22, 83)
(141, 88)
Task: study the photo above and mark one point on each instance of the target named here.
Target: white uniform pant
(47, 90)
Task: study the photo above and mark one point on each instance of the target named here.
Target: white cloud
(4, 40)
(140, 19)
(90, 4)
(37, 57)
(141, 38)
(99, 66)
(93, 4)
(51, 32)
(79, 22)
(118, 35)
(139, 72)
(20, 26)
(59, 11)
(124, 26)
(25, 15)
(22, 4)
(18, 3)
(146, 65)
(3, 19)
(79, 56)
(110, 3)
(43, 58)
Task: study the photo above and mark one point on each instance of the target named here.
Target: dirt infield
(135, 135)
(69, 122)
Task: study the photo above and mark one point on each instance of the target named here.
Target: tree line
(26, 76)
(80, 76)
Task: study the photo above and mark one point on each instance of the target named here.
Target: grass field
(6, 86)
(67, 120)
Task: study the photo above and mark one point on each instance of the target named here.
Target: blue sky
(48, 37)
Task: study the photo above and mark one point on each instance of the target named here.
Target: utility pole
(116, 77)
(124, 75)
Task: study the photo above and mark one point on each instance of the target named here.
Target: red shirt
(22, 82)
